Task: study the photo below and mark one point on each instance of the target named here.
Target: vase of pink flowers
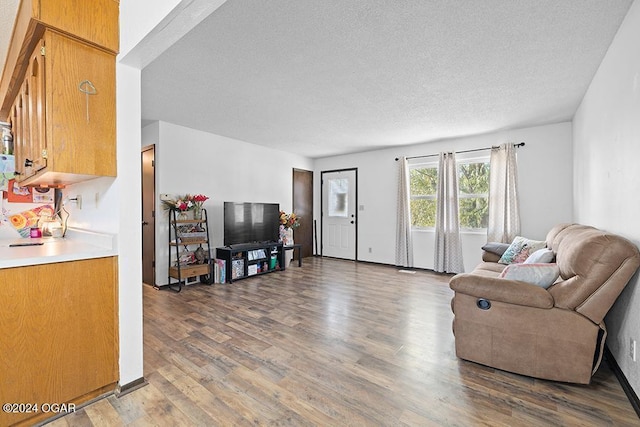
(198, 200)
(182, 207)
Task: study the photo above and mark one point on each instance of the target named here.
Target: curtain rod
(521, 144)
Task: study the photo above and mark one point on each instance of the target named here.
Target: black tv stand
(245, 246)
(251, 259)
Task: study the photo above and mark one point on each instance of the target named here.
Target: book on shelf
(220, 271)
(237, 268)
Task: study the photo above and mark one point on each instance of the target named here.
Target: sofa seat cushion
(492, 269)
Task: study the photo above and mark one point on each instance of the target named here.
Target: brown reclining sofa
(556, 333)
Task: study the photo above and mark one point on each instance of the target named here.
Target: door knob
(145, 223)
(353, 222)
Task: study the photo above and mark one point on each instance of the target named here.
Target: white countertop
(77, 245)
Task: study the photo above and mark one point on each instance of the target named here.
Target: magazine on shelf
(220, 271)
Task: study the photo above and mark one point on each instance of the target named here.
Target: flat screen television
(251, 223)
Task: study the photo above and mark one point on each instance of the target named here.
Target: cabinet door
(15, 119)
(37, 142)
(21, 133)
(80, 107)
(26, 128)
(27, 121)
(60, 334)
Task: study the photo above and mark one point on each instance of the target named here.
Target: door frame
(151, 147)
(355, 170)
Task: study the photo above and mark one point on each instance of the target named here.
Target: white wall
(225, 169)
(545, 180)
(606, 131)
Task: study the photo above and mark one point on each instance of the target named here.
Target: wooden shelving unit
(189, 251)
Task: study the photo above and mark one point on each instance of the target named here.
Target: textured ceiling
(327, 77)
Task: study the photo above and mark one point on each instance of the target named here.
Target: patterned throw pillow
(543, 275)
(520, 249)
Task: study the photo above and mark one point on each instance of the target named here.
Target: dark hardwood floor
(333, 343)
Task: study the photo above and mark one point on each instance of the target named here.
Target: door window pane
(338, 197)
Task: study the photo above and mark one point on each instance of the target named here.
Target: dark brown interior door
(303, 207)
(148, 216)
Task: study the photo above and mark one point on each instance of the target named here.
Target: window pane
(474, 212)
(473, 178)
(338, 197)
(423, 213)
(473, 188)
(423, 181)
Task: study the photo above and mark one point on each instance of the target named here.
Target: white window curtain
(504, 213)
(448, 253)
(404, 242)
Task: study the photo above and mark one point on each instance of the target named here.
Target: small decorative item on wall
(288, 223)
(7, 171)
(43, 195)
(18, 194)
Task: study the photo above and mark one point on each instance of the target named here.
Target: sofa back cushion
(594, 268)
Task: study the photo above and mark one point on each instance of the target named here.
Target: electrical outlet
(632, 349)
(165, 196)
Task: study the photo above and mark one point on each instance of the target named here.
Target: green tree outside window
(473, 195)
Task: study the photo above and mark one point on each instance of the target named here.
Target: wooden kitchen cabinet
(60, 334)
(66, 108)
(97, 24)
(58, 90)
(27, 121)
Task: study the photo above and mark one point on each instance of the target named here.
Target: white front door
(339, 210)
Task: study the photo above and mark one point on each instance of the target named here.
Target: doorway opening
(148, 179)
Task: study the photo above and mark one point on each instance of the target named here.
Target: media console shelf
(251, 259)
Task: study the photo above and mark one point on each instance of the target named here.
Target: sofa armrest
(503, 290)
